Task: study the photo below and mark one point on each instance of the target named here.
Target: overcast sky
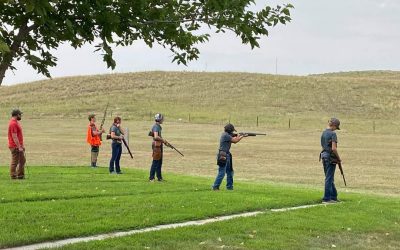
(324, 36)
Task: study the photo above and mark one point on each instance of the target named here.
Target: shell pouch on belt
(157, 153)
(221, 158)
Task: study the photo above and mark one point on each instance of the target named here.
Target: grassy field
(360, 223)
(61, 202)
(371, 161)
(357, 98)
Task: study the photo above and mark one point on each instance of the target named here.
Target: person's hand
(121, 137)
(21, 149)
(245, 135)
(118, 125)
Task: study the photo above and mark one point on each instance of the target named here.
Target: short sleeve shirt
(117, 132)
(225, 142)
(157, 128)
(14, 128)
(327, 137)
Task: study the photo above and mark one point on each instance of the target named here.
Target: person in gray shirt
(330, 157)
(117, 134)
(157, 146)
(224, 157)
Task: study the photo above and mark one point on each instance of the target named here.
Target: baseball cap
(335, 122)
(16, 112)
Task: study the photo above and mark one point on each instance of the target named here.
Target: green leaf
(29, 6)
(4, 47)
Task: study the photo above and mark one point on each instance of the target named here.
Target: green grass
(61, 202)
(361, 222)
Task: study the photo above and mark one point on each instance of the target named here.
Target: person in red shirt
(16, 146)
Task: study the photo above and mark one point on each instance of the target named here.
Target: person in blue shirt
(224, 157)
(330, 157)
(157, 146)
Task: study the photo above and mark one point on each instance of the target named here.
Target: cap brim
(337, 128)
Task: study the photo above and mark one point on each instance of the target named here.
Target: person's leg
(14, 163)
(220, 176)
(94, 155)
(158, 169)
(21, 165)
(229, 173)
(118, 158)
(328, 180)
(153, 169)
(113, 157)
(334, 193)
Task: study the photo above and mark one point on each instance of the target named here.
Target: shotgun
(102, 121)
(127, 147)
(248, 134)
(341, 171)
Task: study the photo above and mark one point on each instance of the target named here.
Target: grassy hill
(239, 97)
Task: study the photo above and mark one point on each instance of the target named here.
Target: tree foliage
(30, 29)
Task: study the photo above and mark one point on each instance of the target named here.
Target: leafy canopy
(30, 29)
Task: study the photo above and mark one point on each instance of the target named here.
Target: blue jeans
(115, 157)
(222, 169)
(156, 169)
(330, 192)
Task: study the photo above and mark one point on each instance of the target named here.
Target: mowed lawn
(62, 202)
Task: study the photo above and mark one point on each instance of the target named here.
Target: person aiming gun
(157, 147)
(330, 157)
(93, 138)
(224, 157)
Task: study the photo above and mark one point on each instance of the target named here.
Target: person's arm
(16, 141)
(159, 138)
(97, 132)
(114, 136)
(238, 138)
(335, 151)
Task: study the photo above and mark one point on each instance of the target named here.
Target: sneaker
(329, 202)
(229, 189)
(21, 177)
(151, 180)
(336, 200)
(161, 180)
(119, 173)
(215, 189)
(325, 201)
(112, 172)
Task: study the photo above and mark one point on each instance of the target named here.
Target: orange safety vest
(92, 140)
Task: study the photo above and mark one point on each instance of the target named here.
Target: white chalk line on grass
(61, 243)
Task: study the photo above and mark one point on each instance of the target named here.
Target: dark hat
(229, 128)
(335, 122)
(16, 112)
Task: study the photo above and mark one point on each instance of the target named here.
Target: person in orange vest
(93, 138)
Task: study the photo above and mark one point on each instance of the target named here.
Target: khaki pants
(17, 164)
